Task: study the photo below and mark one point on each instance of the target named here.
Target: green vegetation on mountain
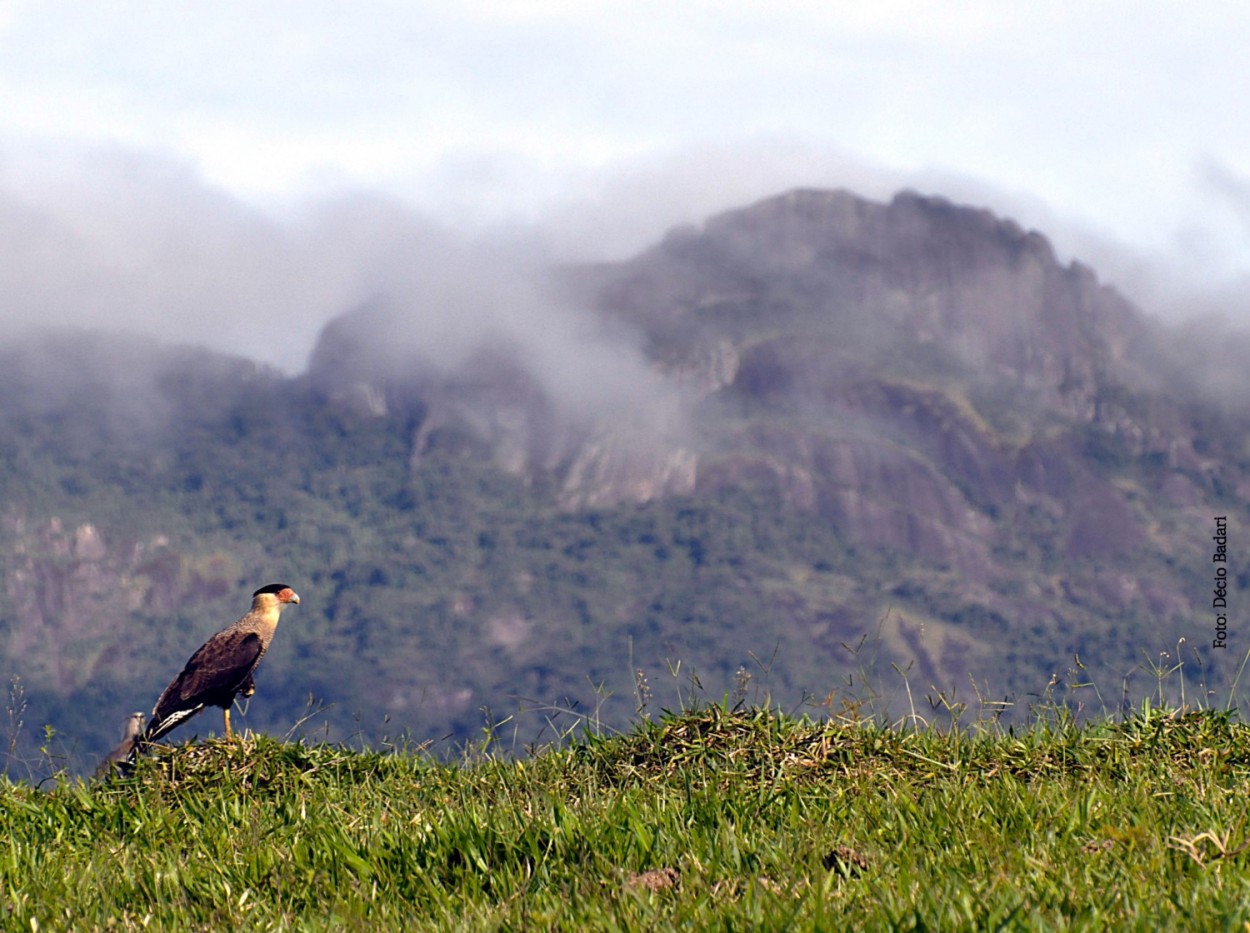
(420, 589)
(857, 437)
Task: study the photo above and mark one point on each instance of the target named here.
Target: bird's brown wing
(219, 668)
(212, 677)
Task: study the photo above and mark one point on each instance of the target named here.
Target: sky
(237, 173)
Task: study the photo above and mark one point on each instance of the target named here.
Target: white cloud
(598, 124)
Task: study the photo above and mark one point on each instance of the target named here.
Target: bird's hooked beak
(286, 595)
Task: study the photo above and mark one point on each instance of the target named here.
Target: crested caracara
(223, 667)
(118, 757)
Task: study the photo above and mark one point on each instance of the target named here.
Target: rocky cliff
(911, 370)
(927, 378)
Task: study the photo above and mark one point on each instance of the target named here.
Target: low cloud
(117, 241)
(114, 240)
(121, 242)
(437, 299)
(629, 206)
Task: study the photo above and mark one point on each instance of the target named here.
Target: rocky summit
(926, 378)
(812, 429)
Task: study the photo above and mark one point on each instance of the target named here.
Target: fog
(119, 241)
(115, 240)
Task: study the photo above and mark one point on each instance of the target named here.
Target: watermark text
(1219, 602)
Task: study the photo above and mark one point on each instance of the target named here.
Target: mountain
(805, 441)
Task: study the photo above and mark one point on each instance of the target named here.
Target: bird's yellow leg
(229, 734)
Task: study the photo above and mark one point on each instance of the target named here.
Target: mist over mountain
(814, 422)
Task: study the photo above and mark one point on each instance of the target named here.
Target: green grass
(709, 819)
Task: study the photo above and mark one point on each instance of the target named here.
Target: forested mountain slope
(815, 422)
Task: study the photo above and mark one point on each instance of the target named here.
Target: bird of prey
(125, 751)
(223, 667)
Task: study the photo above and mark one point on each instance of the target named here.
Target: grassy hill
(714, 818)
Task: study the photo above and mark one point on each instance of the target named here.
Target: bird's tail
(121, 760)
(159, 726)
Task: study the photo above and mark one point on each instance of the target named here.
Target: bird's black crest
(274, 588)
